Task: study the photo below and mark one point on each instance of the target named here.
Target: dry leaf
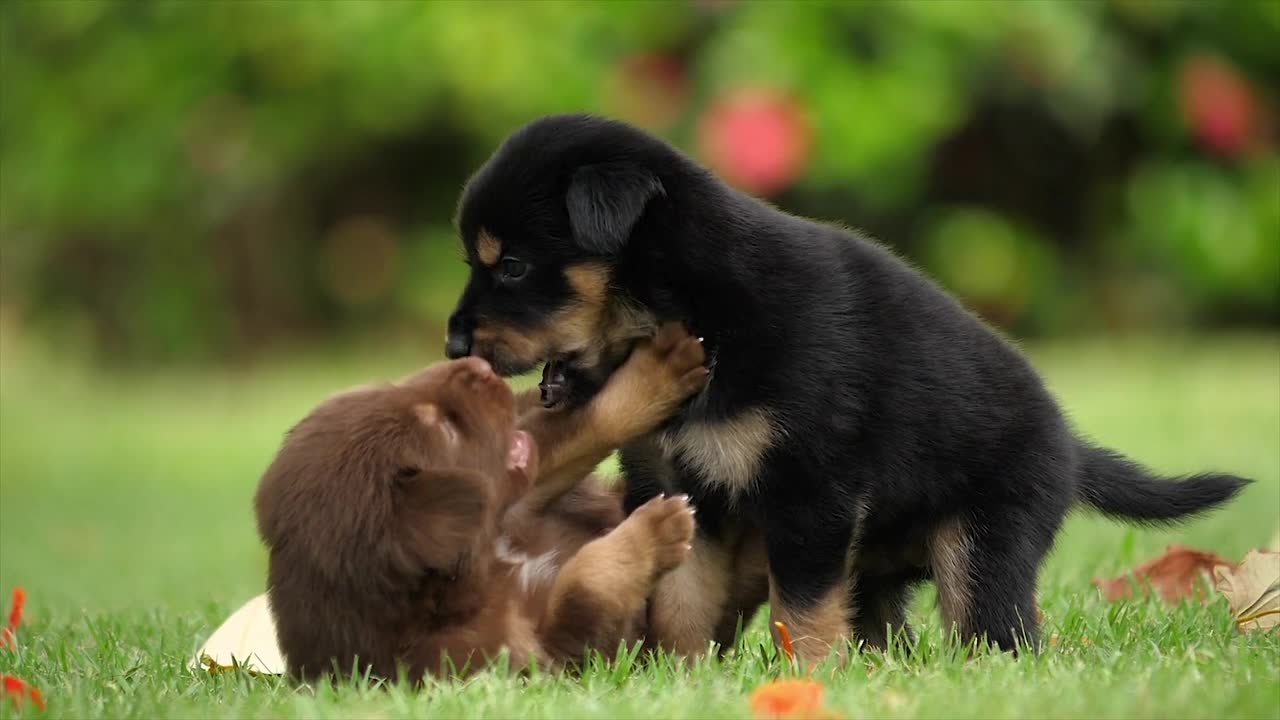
(1253, 589)
(246, 639)
(1173, 575)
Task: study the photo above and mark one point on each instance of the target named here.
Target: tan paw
(669, 522)
(680, 361)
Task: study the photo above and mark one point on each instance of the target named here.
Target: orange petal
(17, 690)
(788, 699)
(785, 635)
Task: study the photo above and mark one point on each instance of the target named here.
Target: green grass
(125, 511)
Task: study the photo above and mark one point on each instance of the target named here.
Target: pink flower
(1219, 105)
(757, 138)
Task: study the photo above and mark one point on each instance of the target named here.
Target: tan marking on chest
(726, 453)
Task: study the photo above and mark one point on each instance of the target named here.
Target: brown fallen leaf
(1174, 575)
(1253, 590)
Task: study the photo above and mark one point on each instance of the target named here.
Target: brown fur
(399, 535)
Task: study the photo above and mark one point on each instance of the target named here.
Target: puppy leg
(807, 537)
(880, 606)
(688, 604)
(748, 590)
(986, 577)
(602, 590)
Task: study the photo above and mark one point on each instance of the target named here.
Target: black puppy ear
(606, 200)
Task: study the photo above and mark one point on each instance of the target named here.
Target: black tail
(1124, 489)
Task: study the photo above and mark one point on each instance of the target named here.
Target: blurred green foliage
(198, 179)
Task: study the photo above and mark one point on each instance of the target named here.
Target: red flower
(790, 699)
(1219, 105)
(8, 638)
(758, 138)
(18, 692)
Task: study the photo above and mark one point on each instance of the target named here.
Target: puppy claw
(670, 523)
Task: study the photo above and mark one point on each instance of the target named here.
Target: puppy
(403, 532)
(861, 431)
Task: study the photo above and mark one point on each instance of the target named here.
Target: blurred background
(198, 181)
(213, 214)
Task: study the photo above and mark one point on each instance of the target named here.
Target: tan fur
(428, 413)
(488, 248)
(817, 629)
(726, 453)
(602, 591)
(688, 603)
(590, 324)
(949, 555)
(514, 342)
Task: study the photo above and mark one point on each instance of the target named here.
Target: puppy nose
(457, 345)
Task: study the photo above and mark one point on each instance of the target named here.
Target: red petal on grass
(793, 699)
(785, 636)
(1174, 575)
(8, 637)
(18, 691)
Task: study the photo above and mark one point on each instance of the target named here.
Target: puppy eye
(407, 472)
(513, 269)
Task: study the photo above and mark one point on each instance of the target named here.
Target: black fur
(898, 410)
(605, 201)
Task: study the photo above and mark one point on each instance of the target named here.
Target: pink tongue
(518, 454)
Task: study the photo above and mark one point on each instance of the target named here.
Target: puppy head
(381, 503)
(545, 224)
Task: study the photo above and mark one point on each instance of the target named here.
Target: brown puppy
(403, 531)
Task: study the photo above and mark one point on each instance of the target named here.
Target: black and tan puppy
(859, 423)
(403, 531)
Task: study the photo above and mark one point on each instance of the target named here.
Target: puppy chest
(532, 572)
(726, 453)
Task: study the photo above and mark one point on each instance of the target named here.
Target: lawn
(125, 512)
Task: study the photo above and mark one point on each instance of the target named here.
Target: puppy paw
(669, 523)
(670, 367)
(659, 375)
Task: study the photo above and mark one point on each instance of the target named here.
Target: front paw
(668, 524)
(682, 361)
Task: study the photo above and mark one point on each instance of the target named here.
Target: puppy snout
(458, 345)
(458, 342)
